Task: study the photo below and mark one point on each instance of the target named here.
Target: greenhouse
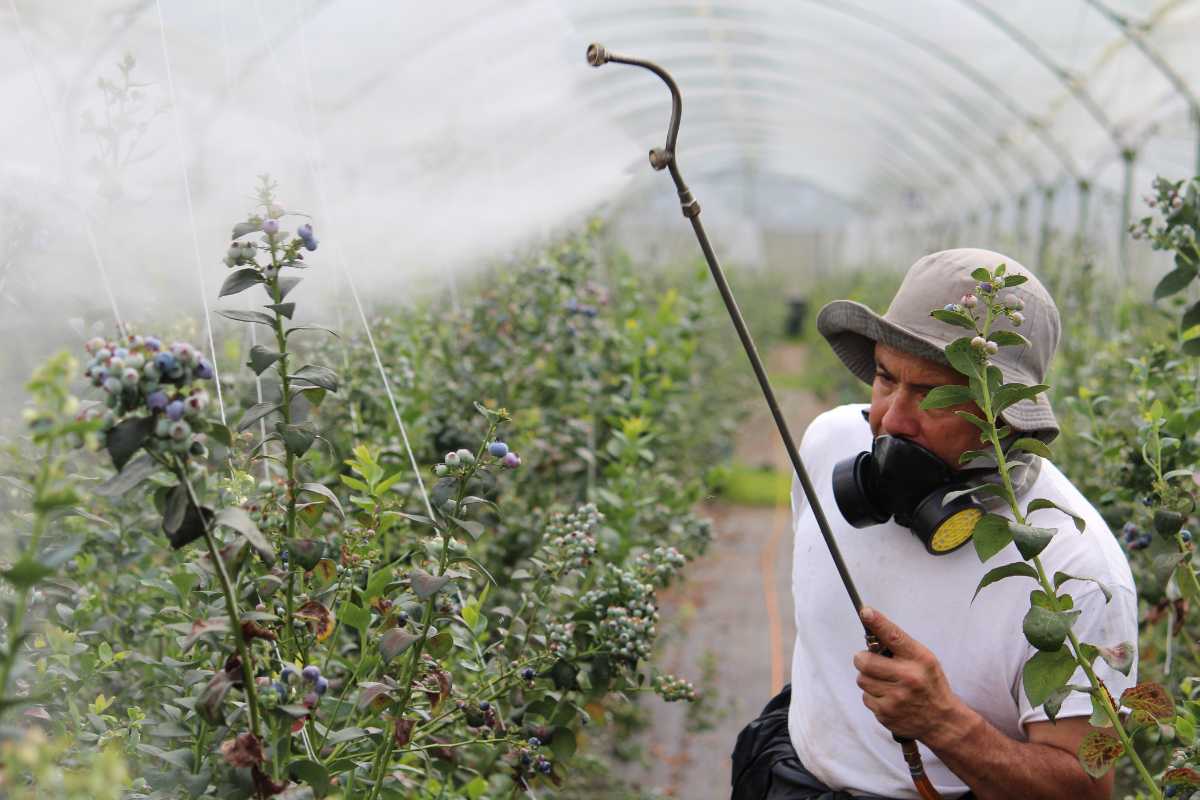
(672, 399)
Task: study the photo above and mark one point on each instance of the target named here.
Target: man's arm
(909, 695)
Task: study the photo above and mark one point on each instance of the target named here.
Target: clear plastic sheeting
(816, 133)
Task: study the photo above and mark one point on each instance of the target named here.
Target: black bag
(766, 767)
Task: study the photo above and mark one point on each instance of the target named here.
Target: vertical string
(58, 146)
(187, 191)
(324, 210)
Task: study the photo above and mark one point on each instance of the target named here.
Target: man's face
(901, 382)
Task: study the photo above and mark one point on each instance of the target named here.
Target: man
(954, 683)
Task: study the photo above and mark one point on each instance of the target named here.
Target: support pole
(1085, 196)
(1044, 229)
(1128, 156)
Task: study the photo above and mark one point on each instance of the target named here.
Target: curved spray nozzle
(664, 158)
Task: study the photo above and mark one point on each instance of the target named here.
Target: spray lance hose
(664, 158)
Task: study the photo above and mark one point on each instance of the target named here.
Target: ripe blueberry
(322, 685)
(498, 449)
(270, 226)
(311, 672)
(175, 410)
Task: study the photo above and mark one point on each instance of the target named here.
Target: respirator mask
(899, 478)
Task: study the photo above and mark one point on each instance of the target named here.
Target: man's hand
(908, 693)
(910, 696)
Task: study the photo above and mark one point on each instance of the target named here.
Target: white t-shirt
(980, 645)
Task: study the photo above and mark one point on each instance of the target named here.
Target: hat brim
(852, 329)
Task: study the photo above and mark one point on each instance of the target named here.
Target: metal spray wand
(664, 158)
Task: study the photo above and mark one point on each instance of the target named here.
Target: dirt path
(729, 623)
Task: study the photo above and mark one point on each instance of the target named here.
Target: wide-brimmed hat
(852, 329)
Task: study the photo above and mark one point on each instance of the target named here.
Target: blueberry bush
(262, 598)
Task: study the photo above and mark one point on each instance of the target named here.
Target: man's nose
(901, 417)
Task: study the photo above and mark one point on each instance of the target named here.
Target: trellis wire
(122, 330)
(187, 191)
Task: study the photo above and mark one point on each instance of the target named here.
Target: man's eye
(882, 377)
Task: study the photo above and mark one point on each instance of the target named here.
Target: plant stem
(384, 753)
(235, 622)
(1051, 592)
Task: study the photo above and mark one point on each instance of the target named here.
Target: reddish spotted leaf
(320, 619)
(1119, 657)
(1182, 777)
(1150, 703)
(1098, 752)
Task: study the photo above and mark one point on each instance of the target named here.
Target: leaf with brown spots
(243, 751)
(1182, 777)
(252, 630)
(1150, 703)
(404, 729)
(1098, 752)
(320, 619)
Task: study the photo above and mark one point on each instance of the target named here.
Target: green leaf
(327, 493)
(395, 642)
(1006, 571)
(305, 553)
(1175, 281)
(1030, 540)
(286, 284)
(238, 315)
(983, 488)
(1041, 502)
(472, 561)
(953, 318)
(1014, 280)
(1098, 752)
(242, 228)
(991, 535)
(983, 425)
(261, 358)
(1055, 700)
(378, 582)
(320, 377)
(425, 584)
(239, 520)
(945, 396)
(240, 280)
(1009, 339)
(1189, 587)
(134, 472)
(1045, 629)
(473, 528)
(282, 309)
(296, 438)
(439, 646)
(126, 438)
(1011, 393)
(980, 274)
(299, 328)
(963, 357)
(220, 433)
(355, 616)
(1191, 317)
(26, 572)
(256, 412)
(970, 455)
(1061, 577)
(1031, 445)
(1046, 672)
(311, 773)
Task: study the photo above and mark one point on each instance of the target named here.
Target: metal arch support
(1068, 81)
(969, 72)
(1002, 143)
(1154, 57)
(935, 128)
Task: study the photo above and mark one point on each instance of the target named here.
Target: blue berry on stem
(311, 672)
(498, 449)
(270, 227)
(527, 673)
(322, 685)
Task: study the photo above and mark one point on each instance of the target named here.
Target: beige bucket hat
(852, 329)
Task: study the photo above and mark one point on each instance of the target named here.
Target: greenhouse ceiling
(429, 136)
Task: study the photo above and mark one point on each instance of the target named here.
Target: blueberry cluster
(243, 253)
(290, 680)
(305, 232)
(571, 535)
(660, 564)
(142, 373)
(1135, 538)
(459, 461)
(531, 760)
(671, 688)
(625, 607)
(573, 306)
(559, 637)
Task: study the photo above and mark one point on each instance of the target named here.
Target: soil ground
(728, 624)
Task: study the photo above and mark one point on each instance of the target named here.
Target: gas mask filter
(899, 478)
